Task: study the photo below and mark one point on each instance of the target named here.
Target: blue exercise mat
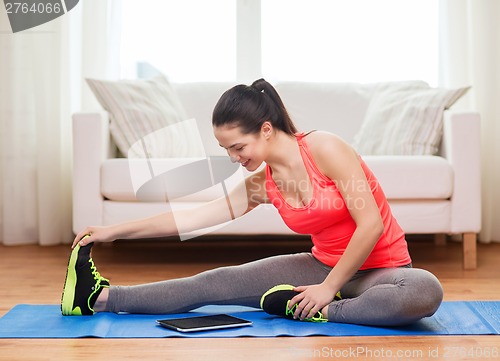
(46, 321)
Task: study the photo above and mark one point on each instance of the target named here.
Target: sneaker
(83, 283)
(276, 301)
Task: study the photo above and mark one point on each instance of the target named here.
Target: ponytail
(250, 106)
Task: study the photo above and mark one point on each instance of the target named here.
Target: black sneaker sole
(68, 296)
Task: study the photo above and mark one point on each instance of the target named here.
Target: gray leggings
(383, 297)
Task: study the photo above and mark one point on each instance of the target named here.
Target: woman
(359, 270)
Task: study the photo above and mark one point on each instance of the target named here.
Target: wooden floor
(31, 274)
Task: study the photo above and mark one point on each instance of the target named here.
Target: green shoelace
(318, 318)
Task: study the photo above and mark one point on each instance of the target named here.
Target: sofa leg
(440, 239)
(469, 251)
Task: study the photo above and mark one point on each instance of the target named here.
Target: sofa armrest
(461, 146)
(91, 145)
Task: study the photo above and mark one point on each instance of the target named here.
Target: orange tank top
(327, 219)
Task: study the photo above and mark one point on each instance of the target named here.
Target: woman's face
(247, 149)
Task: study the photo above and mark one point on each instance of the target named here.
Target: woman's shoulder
(322, 142)
(330, 151)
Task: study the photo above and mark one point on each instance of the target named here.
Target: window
(187, 40)
(307, 40)
(355, 40)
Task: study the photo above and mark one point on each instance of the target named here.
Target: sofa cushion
(147, 118)
(413, 177)
(401, 177)
(405, 120)
(175, 179)
(433, 215)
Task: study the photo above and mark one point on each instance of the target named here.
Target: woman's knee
(426, 292)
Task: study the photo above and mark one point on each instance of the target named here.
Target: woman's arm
(339, 162)
(246, 196)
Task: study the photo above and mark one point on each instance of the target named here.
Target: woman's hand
(94, 234)
(311, 299)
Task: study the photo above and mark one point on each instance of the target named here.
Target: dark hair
(250, 106)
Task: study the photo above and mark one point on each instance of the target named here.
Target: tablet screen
(203, 323)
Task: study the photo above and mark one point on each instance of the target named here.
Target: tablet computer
(203, 323)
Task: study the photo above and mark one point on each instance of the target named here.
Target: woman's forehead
(230, 136)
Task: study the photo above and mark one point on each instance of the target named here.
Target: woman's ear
(267, 129)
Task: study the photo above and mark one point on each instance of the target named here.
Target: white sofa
(428, 194)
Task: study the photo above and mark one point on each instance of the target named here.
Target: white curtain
(41, 85)
(470, 54)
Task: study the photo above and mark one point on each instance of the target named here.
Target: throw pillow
(405, 121)
(147, 118)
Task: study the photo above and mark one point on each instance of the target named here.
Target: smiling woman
(358, 271)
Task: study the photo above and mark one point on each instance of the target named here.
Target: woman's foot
(83, 283)
(276, 301)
